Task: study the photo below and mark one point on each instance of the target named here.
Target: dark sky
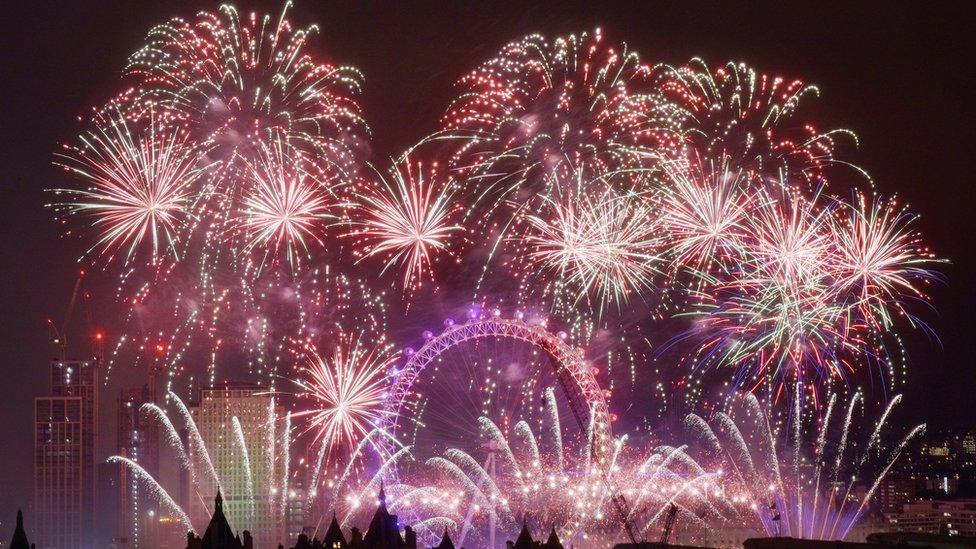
(898, 74)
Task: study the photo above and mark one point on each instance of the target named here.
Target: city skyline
(657, 341)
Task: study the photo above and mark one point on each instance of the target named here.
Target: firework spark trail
(524, 431)
(738, 111)
(842, 448)
(495, 434)
(555, 429)
(474, 470)
(245, 461)
(915, 432)
(286, 463)
(377, 478)
(172, 436)
(157, 490)
(196, 441)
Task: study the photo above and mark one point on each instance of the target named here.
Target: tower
(138, 440)
(226, 415)
(65, 439)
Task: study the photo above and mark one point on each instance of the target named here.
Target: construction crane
(669, 524)
(58, 333)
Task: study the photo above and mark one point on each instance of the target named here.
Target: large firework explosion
(228, 188)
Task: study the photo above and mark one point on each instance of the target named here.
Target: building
(58, 480)
(138, 440)
(894, 491)
(65, 439)
(383, 533)
(219, 534)
(19, 539)
(224, 416)
(952, 518)
(525, 541)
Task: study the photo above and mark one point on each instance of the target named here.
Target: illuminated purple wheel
(501, 369)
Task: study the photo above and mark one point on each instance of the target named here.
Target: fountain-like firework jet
(804, 503)
(506, 481)
(237, 464)
(196, 444)
(346, 389)
(141, 178)
(172, 436)
(155, 489)
(245, 460)
(408, 219)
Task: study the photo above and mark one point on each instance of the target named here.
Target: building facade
(65, 440)
(952, 518)
(226, 416)
(138, 440)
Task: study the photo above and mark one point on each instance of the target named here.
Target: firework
(704, 212)
(286, 204)
(809, 292)
(347, 390)
(232, 471)
(240, 81)
(539, 104)
(408, 220)
(790, 491)
(605, 245)
(753, 117)
(141, 179)
(229, 156)
(879, 258)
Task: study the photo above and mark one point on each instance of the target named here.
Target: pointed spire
(382, 495)
(19, 539)
(553, 541)
(218, 501)
(446, 542)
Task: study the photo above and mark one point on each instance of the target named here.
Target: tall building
(138, 440)
(247, 479)
(65, 439)
(894, 491)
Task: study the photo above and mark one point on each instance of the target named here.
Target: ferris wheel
(495, 367)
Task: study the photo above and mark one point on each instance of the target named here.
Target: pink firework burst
(141, 179)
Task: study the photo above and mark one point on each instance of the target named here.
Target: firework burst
(141, 182)
(605, 246)
(347, 391)
(408, 220)
(239, 81)
(287, 204)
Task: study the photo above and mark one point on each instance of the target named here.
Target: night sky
(897, 74)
